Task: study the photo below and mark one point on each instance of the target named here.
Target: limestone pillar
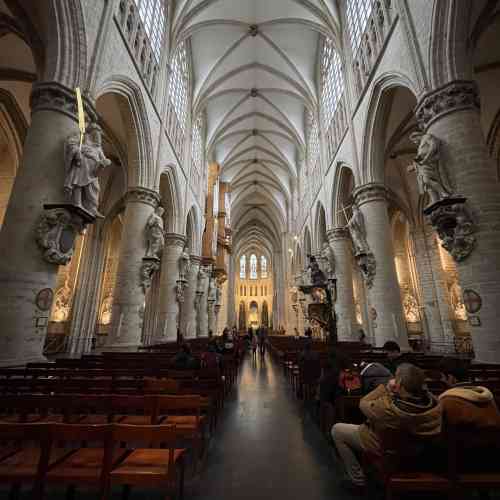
(40, 179)
(340, 243)
(202, 308)
(168, 304)
(384, 297)
(129, 300)
(189, 316)
(451, 114)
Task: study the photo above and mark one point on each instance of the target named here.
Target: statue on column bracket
(364, 257)
(431, 176)
(318, 277)
(155, 234)
(356, 226)
(184, 264)
(83, 166)
(200, 288)
(328, 258)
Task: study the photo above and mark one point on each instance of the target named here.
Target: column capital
(338, 233)
(195, 259)
(175, 240)
(143, 195)
(454, 96)
(373, 191)
(53, 96)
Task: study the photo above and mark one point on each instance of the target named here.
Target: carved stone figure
(148, 268)
(212, 290)
(317, 275)
(356, 226)
(368, 266)
(55, 235)
(184, 264)
(328, 258)
(82, 169)
(155, 235)
(431, 177)
(179, 291)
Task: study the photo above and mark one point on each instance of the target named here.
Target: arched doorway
(265, 315)
(253, 315)
(242, 317)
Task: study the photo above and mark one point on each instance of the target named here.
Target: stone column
(129, 300)
(340, 243)
(451, 114)
(189, 317)
(40, 180)
(202, 308)
(168, 305)
(384, 295)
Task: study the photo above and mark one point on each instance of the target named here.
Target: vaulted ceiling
(255, 74)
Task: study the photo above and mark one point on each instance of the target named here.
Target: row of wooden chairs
(99, 456)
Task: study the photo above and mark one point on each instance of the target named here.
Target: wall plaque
(44, 299)
(472, 301)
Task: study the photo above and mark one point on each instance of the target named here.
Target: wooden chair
(161, 386)
(185, 413)
(83, 464)
(160, 464)
(133, 410)
(24, 456)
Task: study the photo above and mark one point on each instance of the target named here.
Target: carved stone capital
(175, 240)
(53, 96)
(454, 225)
(454, 96)
(55, 234)
(143, 195)
(195, 260)
(338, 233)
(367, 193)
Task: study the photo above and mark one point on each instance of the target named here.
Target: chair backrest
(37, 432)
(179, 404)
(161, 386)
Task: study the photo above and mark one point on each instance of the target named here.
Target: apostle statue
(184, 264)
(328, 259)
(212, 290)
(83, 166)
(356, 226)
(431, 178)
(317, 275)
(155, 235)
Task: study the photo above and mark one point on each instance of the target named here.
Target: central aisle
(264, 448)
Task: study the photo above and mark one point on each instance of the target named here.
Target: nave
(268, 447)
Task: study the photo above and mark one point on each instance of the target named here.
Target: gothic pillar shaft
(203, 306)
(129, 299)
(451, 114)
(384, 295)
(23, 270)
(168, 305)
(340, 243)
(189, 316)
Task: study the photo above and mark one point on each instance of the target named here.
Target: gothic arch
(141, 168)
(343, 186)
(320, 227)
(373, 145)
(169, 192)
(192, 231)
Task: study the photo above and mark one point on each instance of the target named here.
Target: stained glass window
(243, 266)
(178, 87)
(253, 267)
(152, 14)
(332, 81)
(358, 12)
(263, 267)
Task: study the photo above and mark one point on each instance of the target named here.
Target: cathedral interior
(172, 170)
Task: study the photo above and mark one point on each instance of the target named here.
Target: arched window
(197, 156)
(152, 14)
(263, 267)
(312, 140)
(253, 267)
(243, 266)
(332, 81)
(358, 12)
(178, 88)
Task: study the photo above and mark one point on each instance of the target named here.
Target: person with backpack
(403, 404)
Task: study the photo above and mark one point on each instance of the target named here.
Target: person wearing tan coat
(403, 404)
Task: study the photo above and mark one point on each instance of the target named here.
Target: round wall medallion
(44, 299)
(373, 313)
(472, 301)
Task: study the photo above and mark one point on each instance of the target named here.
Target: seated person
(184, 359)
(372, 375)
(453, 372)
(403, 404)
(394, 356)
(329, 380)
